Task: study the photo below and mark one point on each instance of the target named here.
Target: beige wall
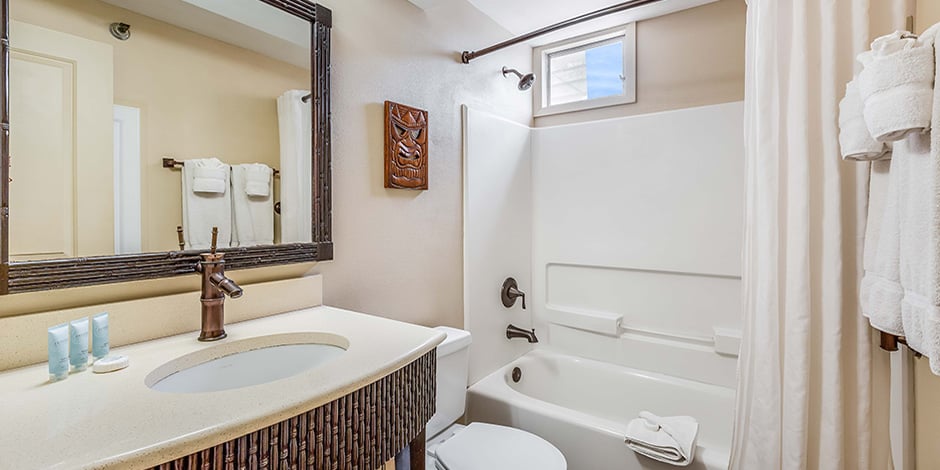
(690, 58)
(198, 96)
(398, 253)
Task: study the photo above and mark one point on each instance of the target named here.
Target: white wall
(497, 235)
(638, 220)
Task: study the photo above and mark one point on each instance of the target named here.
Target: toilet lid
(482, 446)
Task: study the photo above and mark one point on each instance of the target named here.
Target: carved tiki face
(406, 147)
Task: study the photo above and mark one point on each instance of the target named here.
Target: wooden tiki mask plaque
(406, 147)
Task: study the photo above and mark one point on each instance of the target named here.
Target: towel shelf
(173, 163)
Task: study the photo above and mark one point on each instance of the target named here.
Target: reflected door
(61, 197)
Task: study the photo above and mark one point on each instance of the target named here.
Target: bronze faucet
(513, 331)
(215, 286)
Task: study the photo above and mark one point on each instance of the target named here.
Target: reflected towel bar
(171, 163)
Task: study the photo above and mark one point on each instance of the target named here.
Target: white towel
(206, 209)
(908, 241)
(896, 86)
(258, 179)
(252, 204)
(854, 139)
(881, 293)
(210, 180)
(666, 439)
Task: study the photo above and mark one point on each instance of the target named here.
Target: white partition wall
(497, 235)
(637, 239)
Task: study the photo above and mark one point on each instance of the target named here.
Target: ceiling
(523, 16)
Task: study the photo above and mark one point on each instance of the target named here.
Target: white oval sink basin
(247, 362)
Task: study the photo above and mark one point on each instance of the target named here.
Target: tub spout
(513, 331)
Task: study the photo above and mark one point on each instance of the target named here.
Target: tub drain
(516, 374)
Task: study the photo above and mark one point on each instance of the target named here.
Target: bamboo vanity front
(356, 411)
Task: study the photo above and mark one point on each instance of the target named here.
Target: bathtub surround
(811, 393)
(497, 235)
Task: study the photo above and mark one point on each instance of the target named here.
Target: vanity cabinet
(361, 430)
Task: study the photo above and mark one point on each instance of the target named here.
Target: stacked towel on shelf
(666, 439)
(207, 203)
(896, 86)
(854, 139)
(253, 204)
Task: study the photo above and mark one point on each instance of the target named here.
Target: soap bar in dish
(110, 364)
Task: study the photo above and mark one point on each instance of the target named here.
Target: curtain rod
(467, 56)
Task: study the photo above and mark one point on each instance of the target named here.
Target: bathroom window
(587, 72)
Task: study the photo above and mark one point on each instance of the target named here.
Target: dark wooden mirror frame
(30, 276)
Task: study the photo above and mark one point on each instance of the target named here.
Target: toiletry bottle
(58, 352)
(100, 345)
(78, 344)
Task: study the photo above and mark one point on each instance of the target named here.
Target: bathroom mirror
(130, 128)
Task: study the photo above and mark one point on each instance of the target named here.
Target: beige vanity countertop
(115, 421)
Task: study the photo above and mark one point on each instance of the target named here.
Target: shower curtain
(812, 391)
(294, 119)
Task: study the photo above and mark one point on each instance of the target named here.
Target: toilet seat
(482, 446)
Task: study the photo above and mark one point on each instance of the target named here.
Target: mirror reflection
(137, 126)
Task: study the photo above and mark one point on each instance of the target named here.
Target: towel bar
(172, 163)
(889, 342)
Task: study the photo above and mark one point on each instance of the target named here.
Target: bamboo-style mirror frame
(30, 276)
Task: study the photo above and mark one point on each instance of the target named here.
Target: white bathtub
(583, 407)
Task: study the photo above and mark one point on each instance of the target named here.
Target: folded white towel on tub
(854, 139)
(896, 86)
(666, 439)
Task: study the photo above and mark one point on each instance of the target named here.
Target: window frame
(541, 57)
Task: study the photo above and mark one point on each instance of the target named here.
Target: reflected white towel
(210, 180)
(206, 209)
(669, 439)
(854, 139)
(253, 206)
(258, 179)
(896, 86)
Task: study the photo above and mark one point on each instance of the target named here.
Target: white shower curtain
(812, 392)
(295, 130)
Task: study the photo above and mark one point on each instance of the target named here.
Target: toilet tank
(453, 367)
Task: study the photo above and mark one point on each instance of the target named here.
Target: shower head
(525, 81)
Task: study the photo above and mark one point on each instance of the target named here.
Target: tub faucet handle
(511, 292)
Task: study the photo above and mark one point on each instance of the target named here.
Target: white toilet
(477, 446)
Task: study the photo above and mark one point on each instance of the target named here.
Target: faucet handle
(179, 237)
(215, 239)
(510, 292)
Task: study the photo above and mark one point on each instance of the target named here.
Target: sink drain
(516, 374)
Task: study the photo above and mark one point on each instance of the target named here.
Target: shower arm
(467, 56)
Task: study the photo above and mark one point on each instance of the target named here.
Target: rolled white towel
(854, 139)
(896, 86)
(670, 440)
